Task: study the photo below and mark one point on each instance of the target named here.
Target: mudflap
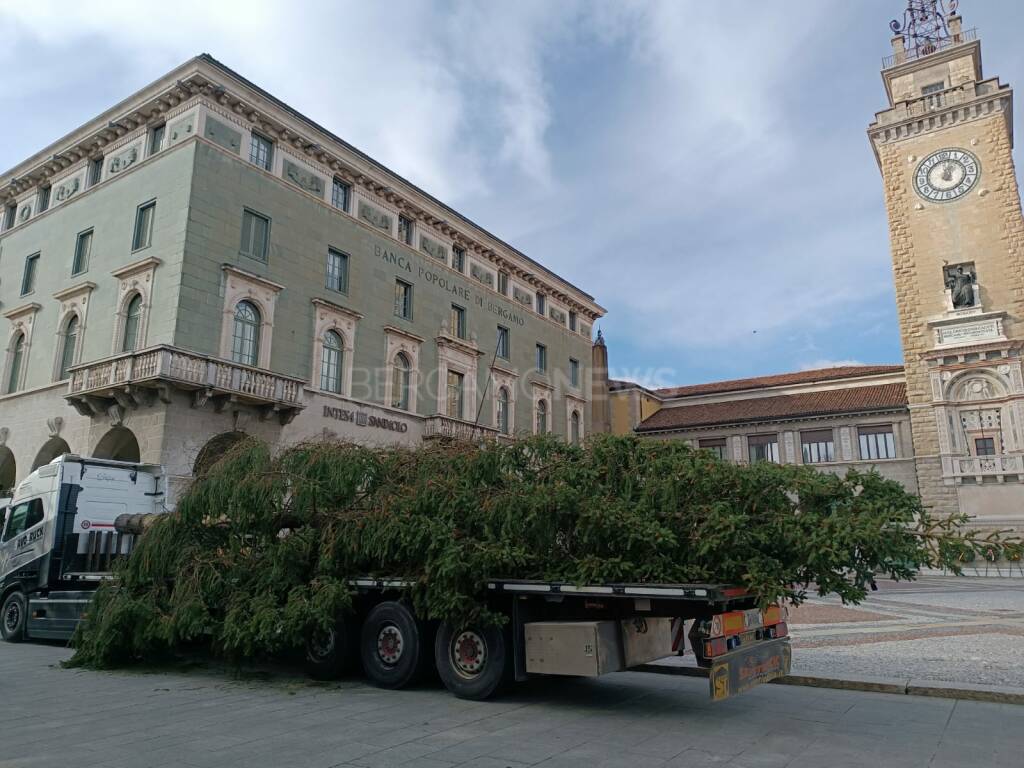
(744, 668)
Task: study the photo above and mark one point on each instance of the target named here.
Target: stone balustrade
(126, 379)
(446, 427)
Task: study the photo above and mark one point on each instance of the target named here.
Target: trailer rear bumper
(747, 666)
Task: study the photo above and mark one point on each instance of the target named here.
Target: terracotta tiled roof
(805, 404)
(779, 379)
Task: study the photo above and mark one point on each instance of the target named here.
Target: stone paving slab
(203, 717)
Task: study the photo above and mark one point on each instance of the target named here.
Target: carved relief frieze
(481, 274)
(374, 216)
(124, 159)
(222, 135)
(304, 179)
(433, 248)
(523, 297)
(67, 188)
(182, 129)
(557, 315)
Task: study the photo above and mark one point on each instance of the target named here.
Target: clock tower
(944, 147)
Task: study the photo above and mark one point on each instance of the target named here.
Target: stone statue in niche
(961, 283)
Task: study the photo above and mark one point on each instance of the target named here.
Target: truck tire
(13, 617)
(473, 662)
(333, 654)
(392, 646)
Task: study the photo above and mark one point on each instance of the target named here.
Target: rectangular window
(542, 358)
(255, 235)
(574, 372)
(763, 448)
(28, 277)
(984, 446)
(455, 389)
(503, 283)
(405, 230)
(9, 216)
(95, 171)
(83, 248)
(503, 342)
(717, 445)
(156, 139)
(261, 151)
(337, 270)
(143, 236)
(403, 300)
(541, 299)
(818, 446)
(934, 87)
(877, 442)
(458, 321)
(572, 320)
(44, 199)
(458, 258)
(340, 194)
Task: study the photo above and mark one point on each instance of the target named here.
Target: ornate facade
(201, 261)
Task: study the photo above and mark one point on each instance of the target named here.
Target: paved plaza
(951, 629)
(203, 717)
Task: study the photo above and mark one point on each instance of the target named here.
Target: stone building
(834, 419)
(949, 422)
(201, 261)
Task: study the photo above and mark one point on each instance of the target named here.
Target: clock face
(946, 175)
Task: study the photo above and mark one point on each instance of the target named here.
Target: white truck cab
(58, 539)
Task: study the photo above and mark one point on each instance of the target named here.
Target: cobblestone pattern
(56, 717)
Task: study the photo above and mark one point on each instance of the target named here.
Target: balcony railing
(438, 426)
(928, 47)
(983, 466)
(209, 377)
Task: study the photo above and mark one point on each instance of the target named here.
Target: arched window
(574, 428)
(542, 417)
(503, 415)
(14, 369)
(245, 338)
(400, 374)
(132, 321)
(330, 362)
(67, 351)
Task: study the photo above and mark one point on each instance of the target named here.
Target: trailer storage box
(581, 648)
(645, 640)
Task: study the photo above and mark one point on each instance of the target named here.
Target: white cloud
(826, 363)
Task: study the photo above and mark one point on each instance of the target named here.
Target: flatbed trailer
(558, 628)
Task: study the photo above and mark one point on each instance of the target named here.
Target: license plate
(744, 668)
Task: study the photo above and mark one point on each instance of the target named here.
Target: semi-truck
(70, 521)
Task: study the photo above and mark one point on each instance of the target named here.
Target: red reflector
(715, 647)
(781, 630)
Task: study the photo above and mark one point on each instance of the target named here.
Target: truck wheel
(472, 662)
(332, 654)
(391, 646)
(13, 616)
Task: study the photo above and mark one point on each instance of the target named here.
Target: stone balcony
(445, 427)
(983, 469)
(136, 378)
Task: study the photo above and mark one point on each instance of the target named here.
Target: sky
(701, 168)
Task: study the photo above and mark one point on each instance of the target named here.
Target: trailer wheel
(392, 646)
(472, 661)
(13, 617)
(332, 654)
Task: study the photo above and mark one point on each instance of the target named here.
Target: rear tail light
(779, 630)
(715, 647)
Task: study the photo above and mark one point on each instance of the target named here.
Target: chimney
(956, 28)
(899, 50)
(600, 416)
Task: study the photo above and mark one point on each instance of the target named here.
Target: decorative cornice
(24, 309)
(150, 262)
(330, 305)
(205, 80)
(394, 330)
(462, 345)
(245, 274)
(74, 290)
